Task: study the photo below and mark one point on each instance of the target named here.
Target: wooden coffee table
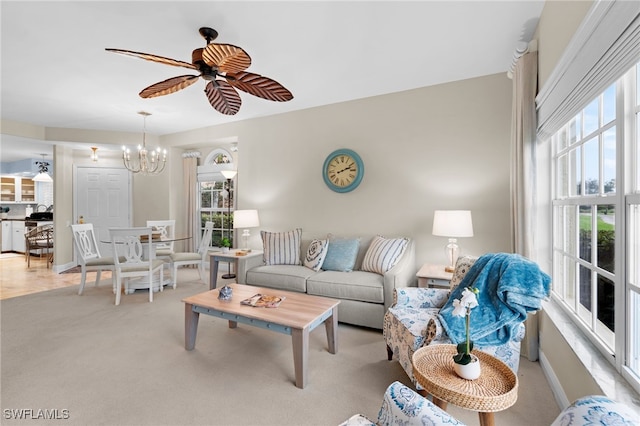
(296, 316)
(495, 390)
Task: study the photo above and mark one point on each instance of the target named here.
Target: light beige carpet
(126, 365)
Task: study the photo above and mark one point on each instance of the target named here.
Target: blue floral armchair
(402, 406)
(411, 322)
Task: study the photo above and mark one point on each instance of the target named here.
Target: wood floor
(17, 280)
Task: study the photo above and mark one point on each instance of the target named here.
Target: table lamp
(245, 219)
(452, 224)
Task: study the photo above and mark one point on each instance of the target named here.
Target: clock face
(343, 170)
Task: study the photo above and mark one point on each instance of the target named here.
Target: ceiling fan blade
(260, 86)
(168, 86)
(227, 58)
(153, 58)
(224, 98)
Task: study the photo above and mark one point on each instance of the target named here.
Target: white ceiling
(56, 72)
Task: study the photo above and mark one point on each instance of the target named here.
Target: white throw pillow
(383, 254)
(281, 248)
(316, 253)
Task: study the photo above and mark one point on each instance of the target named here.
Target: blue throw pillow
(341, 255)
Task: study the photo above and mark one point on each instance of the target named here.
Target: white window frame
(603, 49)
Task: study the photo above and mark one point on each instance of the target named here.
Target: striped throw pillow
(281, 248)
(383, 254)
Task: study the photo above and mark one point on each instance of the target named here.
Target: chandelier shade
(146, 162)
(43, 171)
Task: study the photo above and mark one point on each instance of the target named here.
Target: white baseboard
(61, 268)
(558, 393)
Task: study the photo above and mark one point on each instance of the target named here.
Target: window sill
(612, 384)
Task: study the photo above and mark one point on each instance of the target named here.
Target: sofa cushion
(315, 254)
(284, 277)
(356, 285)
(341, 254)
(281, 248)
(383, 254)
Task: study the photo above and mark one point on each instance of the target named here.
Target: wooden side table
(495, 390)
(431, 275)
(217, 256)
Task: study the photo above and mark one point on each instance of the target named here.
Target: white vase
(225, 249)
(469, 371)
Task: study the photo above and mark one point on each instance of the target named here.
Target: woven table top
(495, 390)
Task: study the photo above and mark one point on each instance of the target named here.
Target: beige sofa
(364, 296)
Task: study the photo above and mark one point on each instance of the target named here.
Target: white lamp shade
(245, 219)
(452, 223)
(229, 174)
(42, 177)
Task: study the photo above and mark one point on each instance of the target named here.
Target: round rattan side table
(495, 390)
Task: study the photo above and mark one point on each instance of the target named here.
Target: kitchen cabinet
(17, 190)
(7, 236)
(27, 190)
(17, 241)
(8, 189)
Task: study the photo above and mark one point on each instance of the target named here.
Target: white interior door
(103, 198)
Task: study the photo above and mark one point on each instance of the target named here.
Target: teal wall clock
(343, 170)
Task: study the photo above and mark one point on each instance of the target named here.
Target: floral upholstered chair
(411, 322)
(402, 406)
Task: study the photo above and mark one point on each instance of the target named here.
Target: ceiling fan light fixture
(223, 66)
(147, 162)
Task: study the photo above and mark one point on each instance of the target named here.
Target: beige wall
(576, 381)
(558, 23)
(440, 147)
(63, 204)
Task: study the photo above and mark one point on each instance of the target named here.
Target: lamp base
(228, 276)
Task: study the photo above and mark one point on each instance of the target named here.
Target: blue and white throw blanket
(510, 285)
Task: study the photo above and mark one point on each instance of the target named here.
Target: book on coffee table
(263, 301)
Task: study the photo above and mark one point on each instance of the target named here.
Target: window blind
(605, 46)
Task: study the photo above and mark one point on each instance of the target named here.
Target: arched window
(216, 201)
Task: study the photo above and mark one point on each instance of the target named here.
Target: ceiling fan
(223, 66)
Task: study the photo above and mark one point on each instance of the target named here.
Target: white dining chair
(90, 258)
(194, 258)
(167, 229)
(131, 242)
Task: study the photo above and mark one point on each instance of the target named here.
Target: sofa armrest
(246, 264)
(403, 274)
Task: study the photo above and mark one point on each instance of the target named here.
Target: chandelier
(146, 162)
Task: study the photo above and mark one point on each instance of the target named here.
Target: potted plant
(225, 243)
(466, 364)
(3, 212)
